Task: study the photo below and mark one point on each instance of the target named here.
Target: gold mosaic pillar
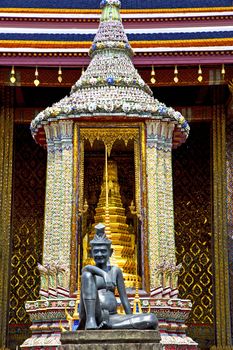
(221, 275)
(48, 224)
(160, 204)
(67, 198)
(55, 272)
(229, 162)
(6, 147)
(57, 196)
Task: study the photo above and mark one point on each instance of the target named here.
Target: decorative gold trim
(6, 152)
(126, 132)
(109, 124)
(66, 203)
(137, 177)
(73, 266)
(221, 275)
(81, 173)
(78, 204)
(153, 211)
(127, 11)
(108, 135)
(32, 55)
(48, 222)
(146, 279)
(55, 255)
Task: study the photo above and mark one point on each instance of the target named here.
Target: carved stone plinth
(111, 340)
(48, 315)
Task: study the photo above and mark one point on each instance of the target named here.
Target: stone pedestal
(48, 315)
(111, 340)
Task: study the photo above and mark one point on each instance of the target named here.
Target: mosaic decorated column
(229, 167)
(6, 150)
(55, 272)
(161, 236)
(221, 267)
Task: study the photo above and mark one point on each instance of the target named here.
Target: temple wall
(193, 230)
(220, 236)
(29, 169)
(229, 169)
(6, 153)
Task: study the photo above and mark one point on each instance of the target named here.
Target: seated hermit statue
(98, 304)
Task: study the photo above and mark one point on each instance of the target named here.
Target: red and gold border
(123, 11)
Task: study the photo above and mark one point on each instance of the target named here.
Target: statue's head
(101, 246)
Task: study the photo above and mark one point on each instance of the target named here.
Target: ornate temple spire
(111, 33)
(111, 74)
(110, 86)
(110, 10)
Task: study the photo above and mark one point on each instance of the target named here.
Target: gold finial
(176, 79)
(59, 76)
(200, 77)
(69, 318)
(152, 79)
(223, 72)
(36, 81)
(61, 327)
(12, 77)
(75, 316)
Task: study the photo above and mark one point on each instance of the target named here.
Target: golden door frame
(109, 133)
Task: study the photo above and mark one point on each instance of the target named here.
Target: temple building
(122, 116)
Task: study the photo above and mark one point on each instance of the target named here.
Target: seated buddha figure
(98, 304)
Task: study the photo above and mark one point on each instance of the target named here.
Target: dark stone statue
(98, 304)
